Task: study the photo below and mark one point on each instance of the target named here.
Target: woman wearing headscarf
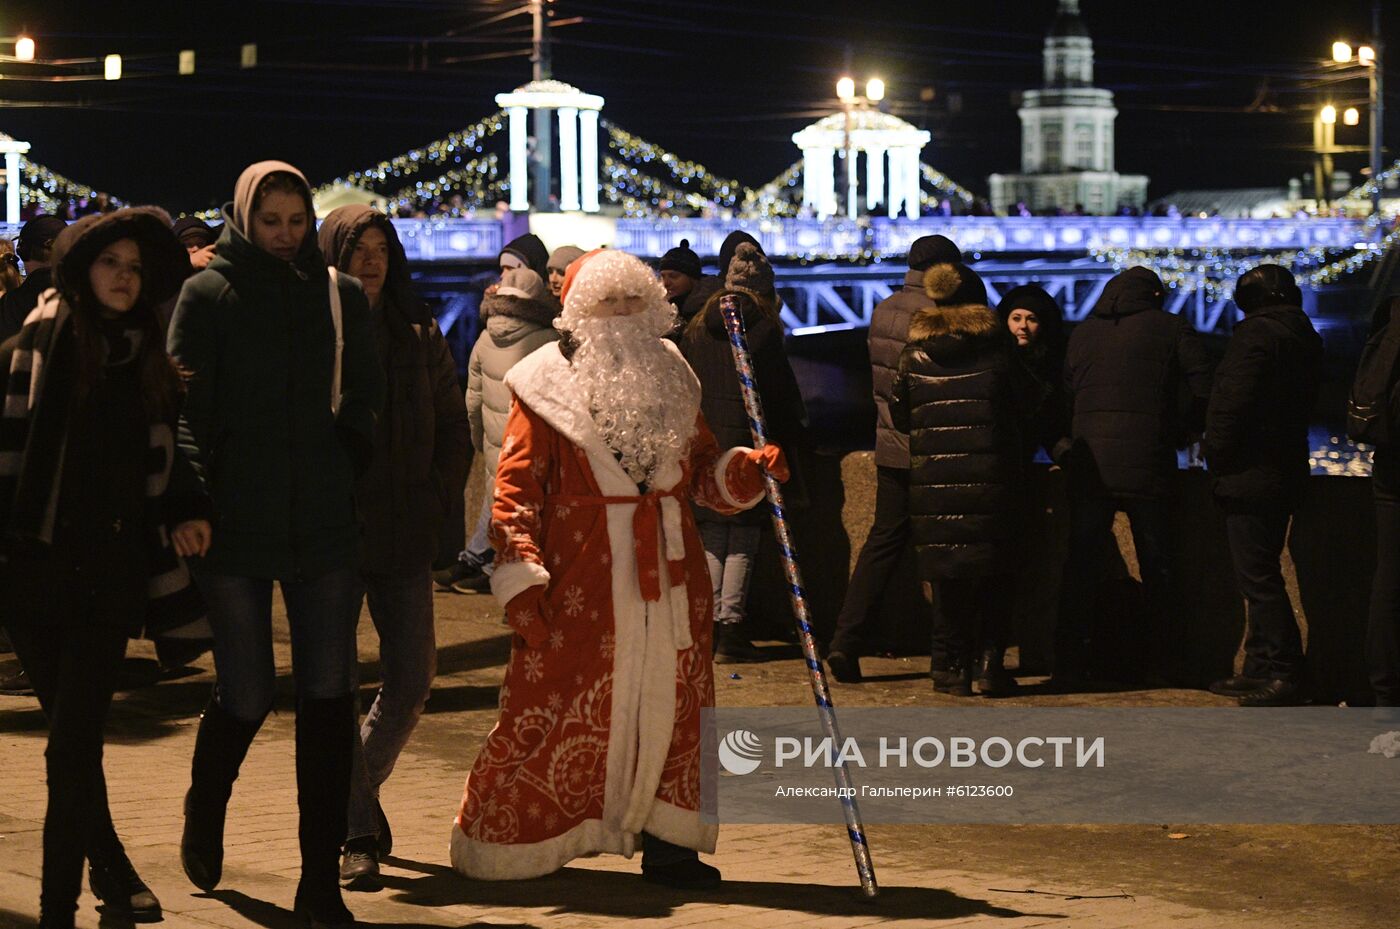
(285, 387)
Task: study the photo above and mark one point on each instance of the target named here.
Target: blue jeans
(322, 613)
(478, 552)
(402, 611)
(729, 553)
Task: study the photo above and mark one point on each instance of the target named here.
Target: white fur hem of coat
(485, 861)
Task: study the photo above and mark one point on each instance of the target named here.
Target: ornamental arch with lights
(882, 138)
(578, 115)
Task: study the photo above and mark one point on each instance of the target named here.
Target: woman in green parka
(279, 419)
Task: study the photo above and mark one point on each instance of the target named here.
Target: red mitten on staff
(743, 478)
(525, 615)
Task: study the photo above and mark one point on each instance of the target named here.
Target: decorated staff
(734, 323)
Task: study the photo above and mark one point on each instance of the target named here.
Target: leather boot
(325, 753)
(219, 750)
(114, 881)
(992, 677)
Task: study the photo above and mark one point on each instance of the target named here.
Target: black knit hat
(929, 250)
(682, 259)
(193, 232)
(37, 234)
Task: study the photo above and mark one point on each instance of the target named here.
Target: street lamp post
(846, 93)
(1369, 58)
(1377, 89)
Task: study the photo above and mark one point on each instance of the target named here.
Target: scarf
(34, 425)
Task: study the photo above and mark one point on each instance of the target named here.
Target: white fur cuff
(722, 468)
(512, 577)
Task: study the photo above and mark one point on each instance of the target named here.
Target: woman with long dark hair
(285, 386)
(97, 508)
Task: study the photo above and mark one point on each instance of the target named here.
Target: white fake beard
(641, 401)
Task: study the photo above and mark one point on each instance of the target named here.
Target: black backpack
(1373, 409)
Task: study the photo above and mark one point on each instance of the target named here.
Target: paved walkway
(1010, 877)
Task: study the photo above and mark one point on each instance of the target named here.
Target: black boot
(993, 680)
(124, 895)
(325, 752)
(219, 750)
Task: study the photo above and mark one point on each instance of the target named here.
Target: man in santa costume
(603, 576)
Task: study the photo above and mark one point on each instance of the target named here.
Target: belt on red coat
(646, 529)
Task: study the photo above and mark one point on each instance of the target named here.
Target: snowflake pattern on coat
(542, 770)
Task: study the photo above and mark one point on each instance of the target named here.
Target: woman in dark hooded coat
(422, 449)
(280, 416)
(97, 508)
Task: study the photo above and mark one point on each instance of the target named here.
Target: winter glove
(743, 478)
(525, 614)
(771, 459)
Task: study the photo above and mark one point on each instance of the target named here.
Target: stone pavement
(1013, 877)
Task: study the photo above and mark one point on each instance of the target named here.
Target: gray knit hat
(563, 256)
(750, 273)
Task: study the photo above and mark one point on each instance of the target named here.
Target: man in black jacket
(1256, 444)
(34, 245)
(889, 536)
(1139, 381)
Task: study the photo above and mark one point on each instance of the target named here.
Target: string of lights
(779, 197)
(452, 148)
(47, 191)
(477, 182)
(635, 150)
(943, 184)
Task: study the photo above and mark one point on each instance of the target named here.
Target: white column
(12, 181)
(568, 158)
(809, 161)
(852, 184)
(896, 197)
(874, 177)
(819, 181)
(519, 160)
(913, 180)
(588, 160)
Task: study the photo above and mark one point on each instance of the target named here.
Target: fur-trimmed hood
(530, 311)
(969, 321)
(954, 285)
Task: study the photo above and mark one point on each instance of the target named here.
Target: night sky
(1206, 98)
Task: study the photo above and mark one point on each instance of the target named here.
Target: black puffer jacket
(957, 395)
(706, 347)
(889, 329)
(1256, 439)
(1139, 380)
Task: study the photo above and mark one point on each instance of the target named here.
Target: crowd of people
(194, 415)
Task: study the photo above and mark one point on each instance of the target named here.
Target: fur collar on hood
(969, 321)
(531, 311)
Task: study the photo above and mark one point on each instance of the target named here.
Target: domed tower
(1067, 133)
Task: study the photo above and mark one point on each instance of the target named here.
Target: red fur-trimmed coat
(599, 732)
